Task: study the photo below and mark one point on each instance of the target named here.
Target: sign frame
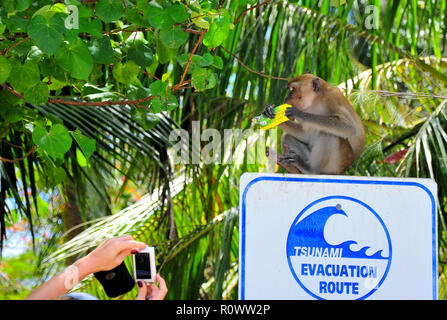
(257, 177)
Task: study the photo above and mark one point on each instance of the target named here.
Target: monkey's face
(301, 94)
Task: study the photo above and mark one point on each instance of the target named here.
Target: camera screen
(143, 266)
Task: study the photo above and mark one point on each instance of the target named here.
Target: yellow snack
(267, 123)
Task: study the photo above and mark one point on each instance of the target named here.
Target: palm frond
(120, 223)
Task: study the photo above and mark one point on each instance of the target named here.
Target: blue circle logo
(339, 248)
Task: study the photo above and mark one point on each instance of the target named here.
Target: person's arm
(105, 257)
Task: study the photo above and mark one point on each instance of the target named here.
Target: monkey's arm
(291, 127)
(330, 124)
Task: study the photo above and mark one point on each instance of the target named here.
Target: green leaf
(218, 62)
(141, 54)
(17, 23)
(133, 37)
(5, 68)
(207, 60)
(37, 94)
(24, 76)
(12, 218)
(145, 118)
(217, 33)
(54, 175)
(177, 12)
(8, 5)
(48, 36)
(42, 207)
(15, 5)
(158, 87)
(56, 142)
(84, 12)
(157, 17)
(138, 92)
(163, 99)
(76, 59)
(199, 21)
(87, 145)
(72, 35)
(133, 16)
(165, 54)
(55, 83)
(93, 27)
(109, 10)
(11, 114)
(48, 67)
(82, 161)
(125, 73)
(50, 10)
(203, 79)
(101, 51)
(196, 61)
(173, 37)
(159, 104)
(23, 5)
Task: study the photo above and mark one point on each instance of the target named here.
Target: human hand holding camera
(107, 256)
(151, 291)
(111, 253)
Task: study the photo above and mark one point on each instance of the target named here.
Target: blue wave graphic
(309, 232)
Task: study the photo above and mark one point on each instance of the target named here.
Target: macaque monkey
(324, 134)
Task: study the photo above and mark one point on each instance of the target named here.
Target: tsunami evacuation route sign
(323, 269)
(340, 238)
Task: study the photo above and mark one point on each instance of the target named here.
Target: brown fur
(325, 123)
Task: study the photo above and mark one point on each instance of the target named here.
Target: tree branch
(12, 144)
(177, 86)
(149, 74)
(251, 70)
(193, 31)
(101, 103)
(20, 159)
(249, 9)
(85, 103)
(5, 52)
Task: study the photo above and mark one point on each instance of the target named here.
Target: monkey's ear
(316, 84)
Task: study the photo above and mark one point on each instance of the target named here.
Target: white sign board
(337, 237)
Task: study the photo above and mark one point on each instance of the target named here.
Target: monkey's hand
(269, 111)
(292, 113)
